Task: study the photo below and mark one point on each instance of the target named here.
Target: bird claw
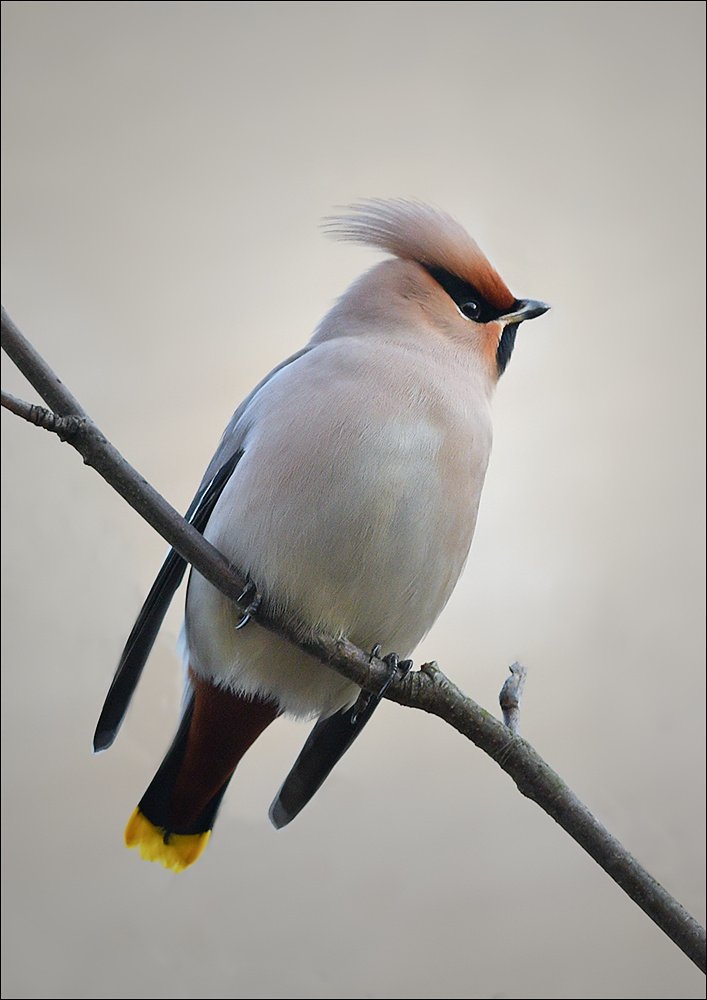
(251, 598)
(396, 668)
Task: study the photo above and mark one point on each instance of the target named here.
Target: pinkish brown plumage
(415, 231)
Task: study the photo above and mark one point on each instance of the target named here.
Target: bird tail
(173, 821)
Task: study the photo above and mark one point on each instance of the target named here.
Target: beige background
(165, 169)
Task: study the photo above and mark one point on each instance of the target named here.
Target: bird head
(439, 280)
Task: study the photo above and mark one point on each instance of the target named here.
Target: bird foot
(397, 669)
(250, 598)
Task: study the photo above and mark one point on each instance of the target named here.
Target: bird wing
(325, 746)
(144, 631)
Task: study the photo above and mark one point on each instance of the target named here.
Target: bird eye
(470, 309)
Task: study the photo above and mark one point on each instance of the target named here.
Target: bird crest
(415, 231)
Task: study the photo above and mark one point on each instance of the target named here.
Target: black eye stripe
(462, 292)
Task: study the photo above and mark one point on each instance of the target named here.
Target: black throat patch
(505, 347)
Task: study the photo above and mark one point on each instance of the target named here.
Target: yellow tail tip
(175, 851)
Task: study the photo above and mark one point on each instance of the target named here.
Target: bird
(346, 489)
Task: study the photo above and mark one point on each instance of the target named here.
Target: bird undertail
(174, 818)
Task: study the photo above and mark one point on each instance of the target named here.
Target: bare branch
(427, 689)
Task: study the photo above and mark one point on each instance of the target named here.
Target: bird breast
(355, 502)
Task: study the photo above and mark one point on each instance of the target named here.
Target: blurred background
(165, 169)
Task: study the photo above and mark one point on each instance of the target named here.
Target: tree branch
(427, 689)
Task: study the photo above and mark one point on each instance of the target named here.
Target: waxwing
(346, 486)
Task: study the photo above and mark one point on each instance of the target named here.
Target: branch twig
(427, 689)
(511, 695)
(65, 427)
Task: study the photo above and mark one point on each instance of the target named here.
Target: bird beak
(524, 309)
